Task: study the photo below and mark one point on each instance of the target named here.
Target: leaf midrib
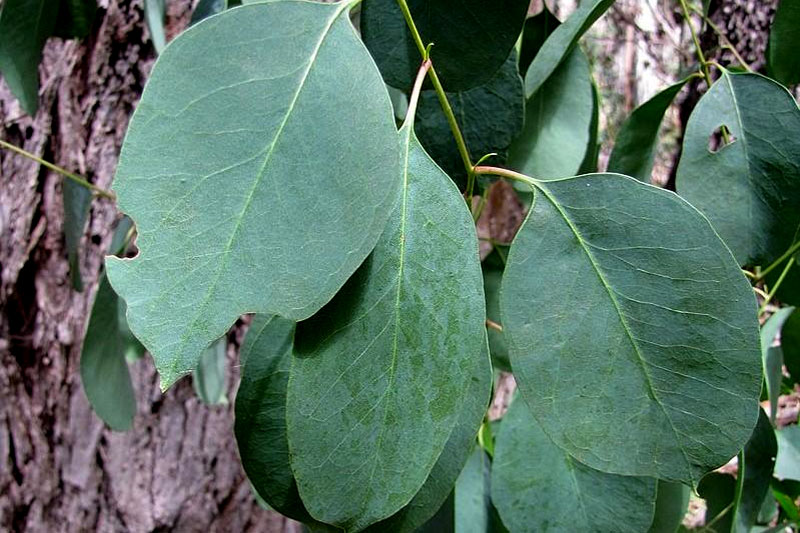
(618, 309)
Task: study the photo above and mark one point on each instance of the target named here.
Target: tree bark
(61, 469)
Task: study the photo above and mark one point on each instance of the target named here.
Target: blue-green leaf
(772, 357)
(209, 378)
(77, 201)
(783, 62)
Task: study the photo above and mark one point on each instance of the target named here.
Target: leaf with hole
(259, 186)
(452, 26)
(625, 314)
(380, 374)
(537, 486)
(749, 189)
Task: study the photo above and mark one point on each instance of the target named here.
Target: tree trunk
(61, 469)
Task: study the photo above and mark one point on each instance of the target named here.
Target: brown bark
(60, 468)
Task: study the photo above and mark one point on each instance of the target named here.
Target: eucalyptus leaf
(77, 202)
(772, 357)
(787, 463)
(155, 12)
(209, 378)
(536, 31)
(749, 189)
(635, 148)
(490, 117)
(75, 18)
(759, 461)
(783, 62)
(590, 160)
(558, 123)
(493, 267)
(472, 500)
(25, 25)
(453, 26)
(718, 490)
(789, 290)
(790, 344)
(379, 375)
(536, 486)
(672, 502)
(297, 132)
(632, 331)
(206, 8)
(561, 42)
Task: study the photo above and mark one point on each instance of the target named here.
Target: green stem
(443, 101)
(67, 174)
(505, 173)
(698, 49)
(790, 252)
(737, 498)
(774, 289)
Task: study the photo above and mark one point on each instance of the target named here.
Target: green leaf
(561, 42)
(75, 18)
(789, 290)
(786, 492)
(447, 468)
(77, 202)
(718, 490)
(672, 502)
(454, 27)
(206, 8)
(783, 63)
(749, 189)
(104, 371)
(155, 12)
(536, 31)
(25, 25)
(635, 147)
(589, 163)
(759, 460)
(490, 117)
(380, 374)
(536, 486)
(558, 123)
(443, 521)
(119, 240)
(632, 331)
(493, 267)
(772, 357)
(472, 504)
(790, 344)
(298, 134)
(209, 378)
(787, 464)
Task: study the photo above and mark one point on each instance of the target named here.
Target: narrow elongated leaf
(772, 357)
(77, 201)
(25, 25)
(632, 331)
(787, 464)
(490, 117)
(589, 164)
(759, 461)
(447, 468)
(783, 62)
(558, 120)
(454, 26)
(380, 374)
(561, 42)
(536, 486)
(718, 490)
(493, 267)
(75, 18)
(209, 378)
(472, 501)
(790, 344)
(104, 371)
(206, 8)
(635, 147)
(672, 502)
(155, 11)
(749, 189)
(536, 31)
(299, 135)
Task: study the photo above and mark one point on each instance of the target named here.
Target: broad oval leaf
(632, 332)
(259, 179)
(783, 62)
(536, 486)
(749, 189)
(558, 123)
(490, 117)
(379, 375)
(454, 27)
(637, 141)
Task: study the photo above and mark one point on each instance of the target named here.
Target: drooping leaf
(447, 468)
(590, 160)
(493, 267)
(759, 460)
(298, 134)
(637, 141)
(783, 62)
(561, 42)
(718, 490)
(206, 8)
(155, 12)
(536, 486)
(536, 31)
(749, 189)
(104, 370)
(77, 201)
(75, 18)
(380, 374)
(490, 117)
(25, 25)
(672, 502)
(772, 357)
(787, 463)
(790, 344)
(454, 26)
(209, 379)
(625, 314)
(473, 511)
(558, 123)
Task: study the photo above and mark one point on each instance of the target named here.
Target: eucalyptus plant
(284, 163)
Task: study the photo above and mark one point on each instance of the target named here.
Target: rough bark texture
(60, 468)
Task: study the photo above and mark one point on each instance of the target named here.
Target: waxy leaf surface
(672, 501)
(455, 27)
(380, 375)
(210, 378)
(783, 61)
(631, 330)
(749, 189)
(259, 179)
(787, 463)
(536, 486)
(772, 356)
